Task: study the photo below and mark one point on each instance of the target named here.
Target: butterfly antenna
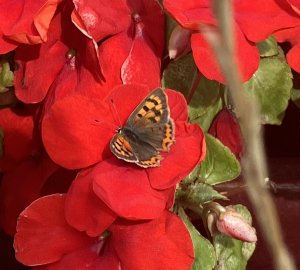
(117, 116)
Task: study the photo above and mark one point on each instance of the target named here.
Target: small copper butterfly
(149, 129)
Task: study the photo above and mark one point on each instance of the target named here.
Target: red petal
(27, 22)
(254, 18)
(39, 65)
(291, 35)
(18, 142)
(86, 259)
(44, 17)
(141, 55)
(178, 105)
(101, 19)
(34, 77)
(151, 15)
(166, 242)
(71, 134)
(112, 54)
(189, 147)
(125, 188)
(292, 57)
(43, 236)
(208, 65)
(6, 45)
(20, 187)
(295, 5)
(84, 210)
(191, 14)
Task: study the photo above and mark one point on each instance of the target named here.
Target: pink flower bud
(180, 42)
(236, 226)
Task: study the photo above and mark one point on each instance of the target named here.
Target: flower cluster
(81, 66)
(254, 22)
(81, 69)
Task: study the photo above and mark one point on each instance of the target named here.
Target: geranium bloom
(78, 136)
(254, 21)
(130, 44)
(26, 22)
(46, 240)
(39, 65)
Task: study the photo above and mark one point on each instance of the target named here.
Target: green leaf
(205, 258)
(268, 47)
(231, 253)
(1, 142)
(180, 74)
(220, 164)
(6, 76)
(198, 193)
(206, 103)
(271, 86)
(295, 96)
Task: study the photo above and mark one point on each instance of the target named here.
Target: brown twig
(254, 165)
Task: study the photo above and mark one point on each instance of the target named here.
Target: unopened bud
(236, 226)
(180, 42)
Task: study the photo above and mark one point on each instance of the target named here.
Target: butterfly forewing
(160, 135)
(152, 110)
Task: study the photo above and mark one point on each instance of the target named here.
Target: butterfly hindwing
(127, 146)
(122, 148)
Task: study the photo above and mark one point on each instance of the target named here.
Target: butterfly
(148, 130)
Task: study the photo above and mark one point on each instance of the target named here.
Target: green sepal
(197, 194)
(268, 47)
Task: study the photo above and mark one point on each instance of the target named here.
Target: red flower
(226, 128)
(292, 35)
(44, 238)
(74, 139)
(78, 130)
(18, 145)
(137, 30)
(26, 22)
(101, 20)
(252, 24)
(65, 48)
(28, 171)
(119, 59)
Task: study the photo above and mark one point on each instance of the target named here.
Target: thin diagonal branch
(254, 164)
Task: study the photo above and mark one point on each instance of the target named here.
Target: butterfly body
(149, 129)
